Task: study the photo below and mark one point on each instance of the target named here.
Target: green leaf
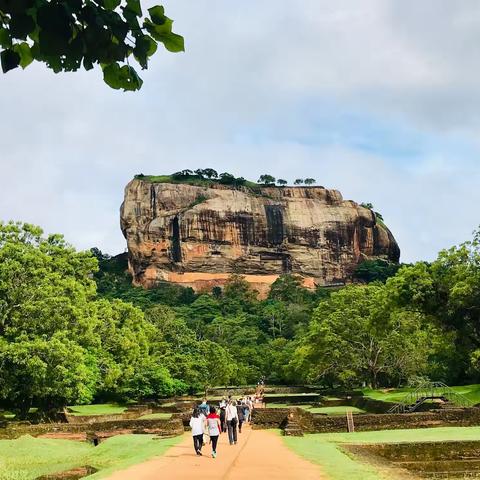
(121, 77)
(26, 57)
(157, 14)
(21, 26)
(9, 60)
(145, 46)
(111, 4)
(135, 7)
(158, 30)
(173, 42)
(5, 40)
(163, 33)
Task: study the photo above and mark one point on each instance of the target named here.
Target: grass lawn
(340, 410)
(323, 448)
(100, 409)
(159, 416)
(273, 395)
(27, 458)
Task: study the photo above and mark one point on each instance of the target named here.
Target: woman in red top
(214, 429)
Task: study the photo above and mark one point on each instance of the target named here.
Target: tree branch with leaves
(67, 35)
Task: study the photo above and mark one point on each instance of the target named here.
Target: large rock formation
(199, 236)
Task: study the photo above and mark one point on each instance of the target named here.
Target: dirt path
(258, 454)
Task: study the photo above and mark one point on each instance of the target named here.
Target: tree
(197, 363)
(44, 372)
(69, 34)
(210, 173)
(309, 181)
(298, 181)
(266, 179)
(375, 270)
(226, 178)
(355, 336)
(282, 182)
(199, 172)
(46, 324)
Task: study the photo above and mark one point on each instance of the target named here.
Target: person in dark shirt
(241, 415)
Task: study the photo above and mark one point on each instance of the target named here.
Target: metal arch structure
(431, 391)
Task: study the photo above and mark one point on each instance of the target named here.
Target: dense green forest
(73, 328)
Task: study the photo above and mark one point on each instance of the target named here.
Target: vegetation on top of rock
(209, 176)
(370, 206)
(266, 179)
(67, 35)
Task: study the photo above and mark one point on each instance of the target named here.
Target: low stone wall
(421, 451)
(89, 419)
(369, 404)
(161, 427)
(365, 422)
(131, 413)
(269, 417)
(320, 423)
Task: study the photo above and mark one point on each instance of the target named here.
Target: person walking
(232, 420)
(204, 407)
(214, 429)
(197, 424)
(240, 415)
(223, 418)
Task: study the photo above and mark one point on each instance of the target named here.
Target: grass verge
(324, 448)
(26, 458)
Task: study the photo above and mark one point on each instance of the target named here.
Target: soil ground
(258, 454)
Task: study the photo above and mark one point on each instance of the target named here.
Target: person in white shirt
(214, 429)
(232, 421)
(197, 423)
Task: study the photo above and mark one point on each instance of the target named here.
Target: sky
(379, 99)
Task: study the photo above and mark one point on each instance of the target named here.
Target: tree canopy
(68, 35)
(74, 329)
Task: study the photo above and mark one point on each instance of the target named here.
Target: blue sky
(379, 99)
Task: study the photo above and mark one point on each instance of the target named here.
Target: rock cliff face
(199, 236)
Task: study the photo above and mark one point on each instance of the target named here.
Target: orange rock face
(198, 236)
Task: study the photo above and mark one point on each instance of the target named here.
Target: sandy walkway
(258, 454)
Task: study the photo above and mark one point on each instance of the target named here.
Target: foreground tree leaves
(67, 35)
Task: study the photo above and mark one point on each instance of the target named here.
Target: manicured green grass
(440, 434)
(274, 395)
(158, 416)
(339, 410)
(27, 458)
(336, 464)
(100, 409)
(324, 448)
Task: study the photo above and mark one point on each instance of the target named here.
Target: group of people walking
(212, 421)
